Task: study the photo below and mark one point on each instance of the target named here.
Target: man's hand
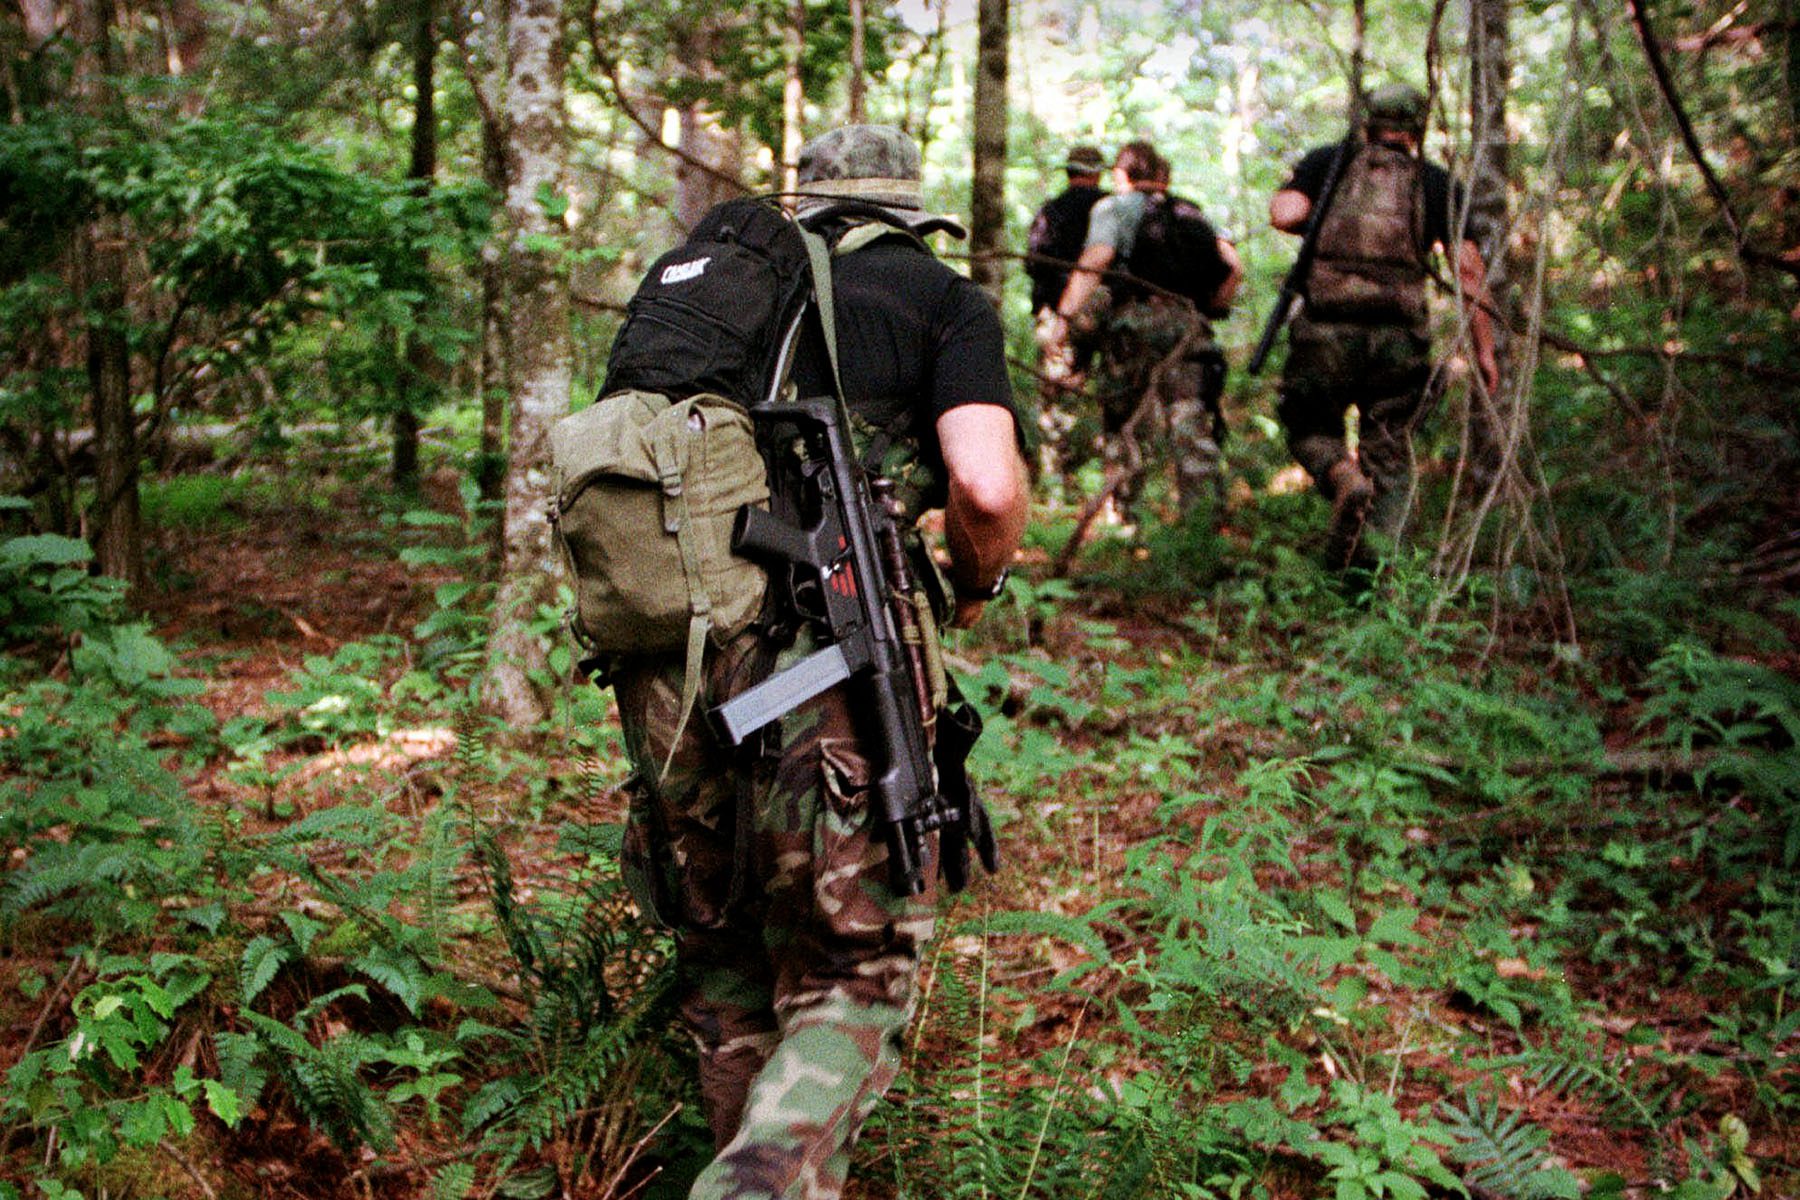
(1052, 334)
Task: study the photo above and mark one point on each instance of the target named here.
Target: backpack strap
(671, 459)
(820, 253)
(820, 256)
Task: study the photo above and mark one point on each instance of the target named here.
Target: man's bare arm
(1289, 210)
(1084, 278)
(1222, 296)
(1472, 274)
(990, 497)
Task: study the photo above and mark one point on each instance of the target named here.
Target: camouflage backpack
(1369, 266)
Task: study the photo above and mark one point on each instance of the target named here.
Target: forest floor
(247, 602)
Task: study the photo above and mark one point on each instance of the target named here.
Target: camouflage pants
(1060, 381)
(797, 962)
(1163, 352)
(1385, 371)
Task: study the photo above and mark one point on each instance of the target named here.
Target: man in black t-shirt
(1058, 232)
(1361, 338)
(1059, 229)
(798, 964)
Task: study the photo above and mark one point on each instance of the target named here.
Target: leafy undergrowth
(1302, 896)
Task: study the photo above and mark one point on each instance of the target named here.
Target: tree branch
(611, 68)
(1659, 70)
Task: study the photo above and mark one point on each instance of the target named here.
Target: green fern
(324, 1081)
(1077, 931)
(1506, 1155)
(262, 960)
(599, 986)
(1620, 1085)
(453, 1182)
(472, 752)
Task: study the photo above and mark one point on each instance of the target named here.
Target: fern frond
(472, 752)
(453, 1182)
(261, 961)
(444, 852)
(1506, 1154)
(517, 924)
(1617, 1084)
(1076, 931)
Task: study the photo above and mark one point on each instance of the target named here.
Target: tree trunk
(1359, 42)
(793, 101)
(1489, 222)
(113, 520)
(485, 68)
(538, 313)
(41, 21)
(1793, 67)
(987, 200)
(859, 31)
(711, 154)
(416, 376)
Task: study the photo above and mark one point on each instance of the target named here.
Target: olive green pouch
(648, 490)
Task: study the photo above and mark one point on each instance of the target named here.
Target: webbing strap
(820, 257)
(699, 625)
(670, 464)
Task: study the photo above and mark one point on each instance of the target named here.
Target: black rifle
(848, 575)
(1294, 286)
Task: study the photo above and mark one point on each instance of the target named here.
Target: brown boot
(1351, 494)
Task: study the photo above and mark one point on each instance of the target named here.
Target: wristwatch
(990, 592)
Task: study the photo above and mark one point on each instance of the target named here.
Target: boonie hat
(876, 164)
(1398, 106)
(1085, 159)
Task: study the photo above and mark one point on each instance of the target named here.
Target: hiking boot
(1351, 496)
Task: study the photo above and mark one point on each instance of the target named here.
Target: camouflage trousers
(1061, 378)
(1385, 371)
(1162, 353)
(798, 964)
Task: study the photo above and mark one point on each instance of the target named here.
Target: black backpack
(651, 476)
(711, 313)
(1177, 250)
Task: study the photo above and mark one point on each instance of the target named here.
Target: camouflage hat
(1398, 106)
(877, 164)
(1084, 160)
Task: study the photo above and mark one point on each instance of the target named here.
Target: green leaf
(395, 970)
(1338, 909)
(261, 962)
(222, 1101)
(47, 549)
(207, 916)
(1395, 928)
(302, 928)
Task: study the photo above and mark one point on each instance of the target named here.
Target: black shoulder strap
(860, 210)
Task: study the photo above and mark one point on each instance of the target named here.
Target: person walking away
(1361, 335)
(1150, 276)
(1058, 232)
(797, 961)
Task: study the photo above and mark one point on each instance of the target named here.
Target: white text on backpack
(682, 272)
